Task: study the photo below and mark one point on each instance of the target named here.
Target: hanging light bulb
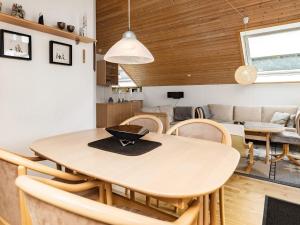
(246, 74)
(129, 50)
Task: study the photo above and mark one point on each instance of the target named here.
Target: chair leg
(132, 195)
(251, 158)
(148, 200)
(102, 193)
(222, 205)
(213, 208)
(108, 190)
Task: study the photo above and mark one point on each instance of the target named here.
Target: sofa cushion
(221, 113)
(247, 113)
(183, 113)
(280, 118)
(268, 111)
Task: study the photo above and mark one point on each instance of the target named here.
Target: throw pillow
(292, 122)
(206, 111)
(280, 118)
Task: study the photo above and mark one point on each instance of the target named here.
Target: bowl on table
(127, 134)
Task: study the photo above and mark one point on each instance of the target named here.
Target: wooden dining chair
(13, 165)
(51, 206)
(206, 130)
(152, 123)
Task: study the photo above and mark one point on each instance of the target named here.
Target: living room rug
(282, 172)
(278, 212)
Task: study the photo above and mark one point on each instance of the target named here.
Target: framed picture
(15, 45)
(60, 53)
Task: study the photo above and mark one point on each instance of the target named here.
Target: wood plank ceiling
(196, 37)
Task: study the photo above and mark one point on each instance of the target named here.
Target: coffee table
(262, 132)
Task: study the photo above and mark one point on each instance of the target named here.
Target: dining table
(179, 168)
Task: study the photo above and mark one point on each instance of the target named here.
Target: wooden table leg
(201, 211)
(213, 208)
(268, 148)
(108, 191)
(222, 205)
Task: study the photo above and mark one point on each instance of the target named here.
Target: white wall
(38, 99)
(257, 94)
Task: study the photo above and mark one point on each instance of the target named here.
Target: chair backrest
(152, 123)
(9, 196)
(202, 129)
(51, 206)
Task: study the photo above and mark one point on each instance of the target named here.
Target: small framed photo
(15, 45)
(60, 53)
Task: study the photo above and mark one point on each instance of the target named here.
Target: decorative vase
(41, 19)
(18, 11)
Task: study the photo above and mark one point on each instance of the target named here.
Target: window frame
(279, 76)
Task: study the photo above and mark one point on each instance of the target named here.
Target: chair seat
(286, 137)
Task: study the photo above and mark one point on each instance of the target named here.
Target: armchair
(12, 209)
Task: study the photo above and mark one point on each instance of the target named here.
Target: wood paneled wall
(196, 37)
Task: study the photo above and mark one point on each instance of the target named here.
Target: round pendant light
(129, 50)
(246, 75)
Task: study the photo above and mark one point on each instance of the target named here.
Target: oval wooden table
(180, 168)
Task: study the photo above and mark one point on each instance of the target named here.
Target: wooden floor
(244, 199)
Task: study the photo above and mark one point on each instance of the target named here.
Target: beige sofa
(230, 113)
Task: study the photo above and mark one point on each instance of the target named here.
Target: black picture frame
(2, 45)
(51, 53)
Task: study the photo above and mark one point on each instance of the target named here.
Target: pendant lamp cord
(234, 8)
(245, 21)
(129, 19)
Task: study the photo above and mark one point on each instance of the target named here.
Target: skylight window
(274, 51)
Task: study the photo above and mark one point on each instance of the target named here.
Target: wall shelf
(44, 28)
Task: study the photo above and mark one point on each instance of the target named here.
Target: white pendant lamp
(129, 50)
(246, 74)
